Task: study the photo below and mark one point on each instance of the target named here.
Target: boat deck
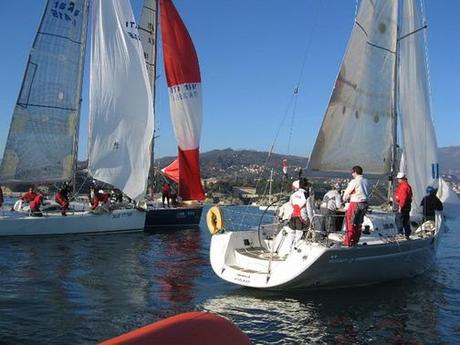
(259, 253)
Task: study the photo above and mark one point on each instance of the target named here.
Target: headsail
(43, 136)
(419, 139)
(358, 124)
(121, 105)
(184, 83)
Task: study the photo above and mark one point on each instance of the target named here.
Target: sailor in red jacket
(29, 196)
(62, 198)
(403, 201)
(35, 205)
(165, 193)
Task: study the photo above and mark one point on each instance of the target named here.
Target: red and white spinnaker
(184, 86)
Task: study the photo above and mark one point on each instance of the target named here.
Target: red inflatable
(200, 328)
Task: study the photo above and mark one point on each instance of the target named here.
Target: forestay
(121, 104)
(43, 136)
(358, 124)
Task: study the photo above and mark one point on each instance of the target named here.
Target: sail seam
(148, 31)
(380, 47)
(362, 28)
(149, 8)
(25, 105)
(60, 36)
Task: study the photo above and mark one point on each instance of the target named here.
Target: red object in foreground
(200, 328)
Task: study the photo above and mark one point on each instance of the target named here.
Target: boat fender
(215, 220)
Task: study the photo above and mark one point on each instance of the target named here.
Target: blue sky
(251, 55)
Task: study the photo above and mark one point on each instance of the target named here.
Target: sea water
(82, 289)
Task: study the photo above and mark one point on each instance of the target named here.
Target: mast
(394, 149)
(154, 89)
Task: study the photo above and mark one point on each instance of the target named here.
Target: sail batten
(121, 104)
(357, 126)
(41, 144)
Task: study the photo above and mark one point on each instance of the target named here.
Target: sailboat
(382, 79)
(184, 86)
(42, 142)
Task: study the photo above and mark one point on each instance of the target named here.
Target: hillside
(449, 160)
(228, 162)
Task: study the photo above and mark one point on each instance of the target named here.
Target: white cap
(101, 191)
(296, 185)
(400, 175)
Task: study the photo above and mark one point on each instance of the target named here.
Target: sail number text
(65, 11)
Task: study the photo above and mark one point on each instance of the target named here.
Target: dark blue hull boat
(181, 217)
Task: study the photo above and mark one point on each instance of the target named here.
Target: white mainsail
(148, 37)
(43, 136)
(121, 104)
(358, 124)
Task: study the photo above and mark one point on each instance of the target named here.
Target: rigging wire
(292, 102)
(301, 73)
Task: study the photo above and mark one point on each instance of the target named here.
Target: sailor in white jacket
(357, 193)
(332, 201)
(302, 206)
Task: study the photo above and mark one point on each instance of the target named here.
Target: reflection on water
(393, 313)
(87, 288)
(83, 289)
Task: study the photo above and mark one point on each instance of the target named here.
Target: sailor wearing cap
(403, 201)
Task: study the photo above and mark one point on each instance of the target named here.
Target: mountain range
(227, 162)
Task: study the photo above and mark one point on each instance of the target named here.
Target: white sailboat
(375, 87)
(184, 85)
(42, 142)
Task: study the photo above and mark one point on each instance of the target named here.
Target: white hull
(289, 262)
(120, 220)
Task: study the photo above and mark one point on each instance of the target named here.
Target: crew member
(430, 203)
(1, 197)
(332, 201)
(403, 201)
(356, 192)
(62, 198)
(100, 198)
(29, 196)
(173, 195)
(302, 208)
(35, 205)
(165, 193)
